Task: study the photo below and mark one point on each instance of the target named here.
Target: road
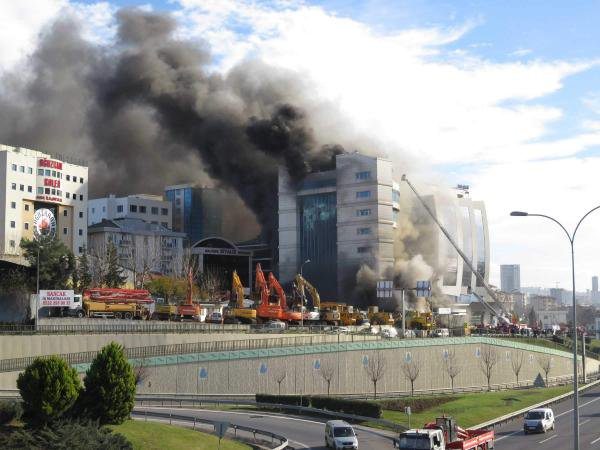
(511, 436)
(302, 433)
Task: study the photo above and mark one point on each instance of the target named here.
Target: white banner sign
(58, 298)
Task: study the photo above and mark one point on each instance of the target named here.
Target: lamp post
(571, 238)
(302, 306)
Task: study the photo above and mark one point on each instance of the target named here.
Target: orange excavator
(188, 309)
(273, 303)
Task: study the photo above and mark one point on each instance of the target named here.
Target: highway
(302, 433)
(511, 436)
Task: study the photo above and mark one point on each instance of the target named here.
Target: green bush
(110, 386)
(10, 410)
(66, 435)
(296, 400)
(48, 387)
(356, 407)
(417, 404)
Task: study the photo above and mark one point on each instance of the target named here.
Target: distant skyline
(502, 96)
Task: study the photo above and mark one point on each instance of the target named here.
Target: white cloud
(521, 52)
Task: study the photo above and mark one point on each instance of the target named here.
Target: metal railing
(14, 364)
(115, 326)
(270, 437)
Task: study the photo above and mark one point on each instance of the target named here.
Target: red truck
(444, 434)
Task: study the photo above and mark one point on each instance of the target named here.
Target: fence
(123, 327)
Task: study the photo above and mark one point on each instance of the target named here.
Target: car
(215, 317)
(410, 334)
(441, 332)
(538, 420)
(389, 333)
(275, 325)
(339, 435)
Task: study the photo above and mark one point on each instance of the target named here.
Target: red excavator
(272, 304)
(189, 309)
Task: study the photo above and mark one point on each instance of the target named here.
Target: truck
(444, 434)
(117, 303)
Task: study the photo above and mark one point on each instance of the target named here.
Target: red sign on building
(51, 183)
(51, 164)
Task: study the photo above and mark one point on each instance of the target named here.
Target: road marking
(584, 422)
(508, 435)
(594, 441)
(580, 406)
(296, 443)
(551, 437)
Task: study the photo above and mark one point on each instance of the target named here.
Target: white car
(389, 333)
(339, 435)
(441, 332)
(539, 420)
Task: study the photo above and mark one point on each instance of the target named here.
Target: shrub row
(416, 404)
(295, 400)
(356, 407)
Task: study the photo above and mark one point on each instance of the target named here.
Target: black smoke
(146, 111)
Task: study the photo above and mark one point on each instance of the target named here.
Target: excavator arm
(261, 285)
(303, 284)
(275, 286)
(238, 288)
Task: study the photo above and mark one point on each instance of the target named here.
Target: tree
(487, 360)
(279, 377)
(171, 289)
(545, 363)
(375, 369)
(516, 361)
(452, 367)
(327, 371)
(48, 387)
(113, 277)
(140, 372)
(411, 370)
(110, 386)
(82, 275)
(532, 318)
(56, 262)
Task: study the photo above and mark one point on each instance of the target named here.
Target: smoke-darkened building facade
(348, 217)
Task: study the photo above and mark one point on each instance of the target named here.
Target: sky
(501, 95)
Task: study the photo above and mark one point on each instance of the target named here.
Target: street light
(571, 238)
(303, 300)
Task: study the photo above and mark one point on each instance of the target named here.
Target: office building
(149, 208)
(197, 211)
(510, 277)
(43, 192)
(142, 247)
(347, 217)
(561, 296)
(595, 295)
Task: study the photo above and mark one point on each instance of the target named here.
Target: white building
(30, 181)
(510, 277)
(142, 247)
(552, 317)
(149, 208)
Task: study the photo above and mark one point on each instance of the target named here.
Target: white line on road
(551, 437)
(584, 422)
(508, 435)
(594, 441)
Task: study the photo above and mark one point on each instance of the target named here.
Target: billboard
(56, 298)
(44, 223)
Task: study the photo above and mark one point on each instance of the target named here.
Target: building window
(142, 209)
(68, 195)
(104, 209)
(93, 210)
(65, 213)
(59, 175)
(12, 244)
(13, 205)
(74, 179)
(41, 172)
(165, 224)
(132, 208)
(47, 191)
(178, 201)
(366, 175)
(395, 196)
(13, 186)
(363, 249)
(81, 214)
(22, 187)
(154, 210)
(363, 194)
(74, 196)
(47, 172)
(26, 226)
(81, 180)
(40, 190)
(68, 177)
(30, 189)
(12, 224)
(80, 250)
(26, 207)
(120, 208)
(54, 173)
(164, 211)
(81, 197)
(22, 169)
(30, 170)
(363, 212)
(53, 191)
(363, 231)
(80, 232)
(59, 192)
(65, 230)
(14, 167)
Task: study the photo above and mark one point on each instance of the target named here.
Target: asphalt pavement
(302, 433)
(511, 436)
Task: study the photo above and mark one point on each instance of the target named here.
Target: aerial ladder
(330, 316)
(503, 315)
(239, 312)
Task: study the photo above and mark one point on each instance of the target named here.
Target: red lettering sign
(51, 183)
(51, 164)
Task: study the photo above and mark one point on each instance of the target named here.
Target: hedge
(356, 407)
(10, 410)
(283, 399)
(417, 404)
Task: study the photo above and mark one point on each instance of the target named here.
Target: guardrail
(283, 441)
(514, 415)
(13, 364)
(104, 326)
(175, 402)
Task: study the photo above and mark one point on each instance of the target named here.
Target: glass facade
(318, 241)
(449, 221)
(467, 247)
(480, 243)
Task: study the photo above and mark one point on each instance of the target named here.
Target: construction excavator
(238, 313)
(273, 303)
(328, 315)
(188, 309)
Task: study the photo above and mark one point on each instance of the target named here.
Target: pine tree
(82, 276)
(114, 277)
(56, 262)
